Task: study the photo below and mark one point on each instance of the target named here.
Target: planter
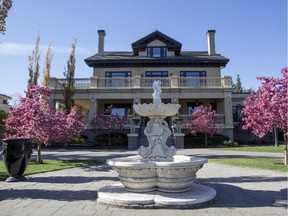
(16, 155)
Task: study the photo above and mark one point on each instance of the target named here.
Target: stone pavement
(240, 191)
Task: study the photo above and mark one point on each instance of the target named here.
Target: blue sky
(251, 33)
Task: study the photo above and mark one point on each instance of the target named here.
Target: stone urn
(16, 156)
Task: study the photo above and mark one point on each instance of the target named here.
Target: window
(237, 113)
(120, 109)
(213, 106)
(159, 74)
(190, 82)
(192, 106)
(156, 52)
(122, 82)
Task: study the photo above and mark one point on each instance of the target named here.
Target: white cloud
(26, 49)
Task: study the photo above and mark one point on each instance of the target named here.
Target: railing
(199, 82)
(146, 82)
(118, 82)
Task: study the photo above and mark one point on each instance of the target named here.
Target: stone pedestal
(132, 141)
(179, 140)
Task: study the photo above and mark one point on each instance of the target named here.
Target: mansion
(189, 78)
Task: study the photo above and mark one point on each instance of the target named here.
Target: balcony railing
(146, 82)
(197, 82)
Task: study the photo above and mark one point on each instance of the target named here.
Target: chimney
(101, 35)
(211, 42)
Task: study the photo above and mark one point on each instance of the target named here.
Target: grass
(49, 165)
(256, 163)
(271, 149)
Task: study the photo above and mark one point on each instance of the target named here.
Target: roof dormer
(156, 44)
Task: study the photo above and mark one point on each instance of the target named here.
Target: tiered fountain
(157, 177)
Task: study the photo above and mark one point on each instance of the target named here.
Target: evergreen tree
(5, 6)
(238, 86)
(68, 87)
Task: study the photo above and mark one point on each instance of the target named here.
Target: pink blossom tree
(203, 122)
(108, 122)
(36, 119)
(266, 109)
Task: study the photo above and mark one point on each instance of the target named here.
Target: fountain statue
(157, 130)
(157, 167)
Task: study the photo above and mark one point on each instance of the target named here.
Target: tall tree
(203, 122)
(46, 70)
(68, 87)
(266, 109)
(5, 6)
(34, 65)
(238, 86)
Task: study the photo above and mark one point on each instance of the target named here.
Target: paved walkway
(240, 191)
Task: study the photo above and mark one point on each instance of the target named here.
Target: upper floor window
(192, 78)
(156, 52)
(118, 74)
(118, 79)
(152, 75)
(193, 73)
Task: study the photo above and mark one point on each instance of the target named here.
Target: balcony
(145, 82)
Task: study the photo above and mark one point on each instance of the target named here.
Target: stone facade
(190, 78)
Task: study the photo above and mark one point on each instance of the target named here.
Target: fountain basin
(176, 176)
(152, 110)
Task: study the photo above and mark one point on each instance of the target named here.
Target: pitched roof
(170, 42)
(185, 58)
(5, 96)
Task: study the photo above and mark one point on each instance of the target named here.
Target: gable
(156, 37)
(157, 43)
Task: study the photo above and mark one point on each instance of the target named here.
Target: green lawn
(272, 149)
(257, 163)
(49, 165)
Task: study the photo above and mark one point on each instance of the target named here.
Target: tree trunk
(39, 157)
(206, 142)
(276, 137)
(286, 150)
(109, 138)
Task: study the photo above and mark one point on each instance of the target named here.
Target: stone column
(228, 131)
(93, 105)
(175, 98)
(93, 82)
(137, 81)
(136, 98)
(132, 141)
(179, 140)
(227, 82)
(174, 81)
